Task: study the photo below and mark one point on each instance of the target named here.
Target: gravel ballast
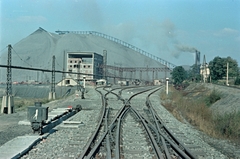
(89, 115)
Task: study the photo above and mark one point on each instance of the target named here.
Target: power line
(48, 64)
(43, 70)
(56, 71)
(3, 49)
(21, 58)
(58, 64)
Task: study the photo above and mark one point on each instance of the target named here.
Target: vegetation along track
(132, 129)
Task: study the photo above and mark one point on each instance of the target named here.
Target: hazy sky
(169, 29)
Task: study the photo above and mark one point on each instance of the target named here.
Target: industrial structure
(160, 60)
(147, 74)
(204, 70)
(87, 64)
(197, 61)
(8, 100)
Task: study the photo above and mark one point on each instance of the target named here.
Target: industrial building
(88, 64)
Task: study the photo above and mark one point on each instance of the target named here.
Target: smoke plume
(183, 48)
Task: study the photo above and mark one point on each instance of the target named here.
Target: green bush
(237, 81)
(212, 98)
(228, 124)
(185, 84)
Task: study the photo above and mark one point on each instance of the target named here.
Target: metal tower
(9, 72)
(53, 74)
(78, 76)
(105, 64)
(7, 100)
(52, 94)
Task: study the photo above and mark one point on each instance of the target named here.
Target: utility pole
(167, 79)
(7, 100)
(227, 75)
(204, 71)
(78, 76)
(105, 64)
(52, 94)
(63, 74)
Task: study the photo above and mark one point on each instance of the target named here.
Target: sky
(169, 29)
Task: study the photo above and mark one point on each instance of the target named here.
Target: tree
(178, 75)
(193, 74)
(237, 81)
(218, 68)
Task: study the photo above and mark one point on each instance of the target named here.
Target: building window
(89, 66)
(84, 66)
(70, 65)
(67, 82)
(70, 61)
(70, 70)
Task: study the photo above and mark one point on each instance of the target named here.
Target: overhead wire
(46, 66)
(58, 64)
(20, 57)
(70, 74)
(3, 49)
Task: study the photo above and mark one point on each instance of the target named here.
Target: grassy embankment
(194, 106)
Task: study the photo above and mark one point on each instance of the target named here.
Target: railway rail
(115, 141)
(123, 123)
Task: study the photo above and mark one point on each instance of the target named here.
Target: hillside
(218, 122)
(37, 49)
(229, 101)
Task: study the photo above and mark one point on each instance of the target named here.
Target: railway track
(130, 135)
(122, 123)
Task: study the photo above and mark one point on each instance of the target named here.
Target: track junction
(118, 122)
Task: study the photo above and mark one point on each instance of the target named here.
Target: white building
(87, 64)
(204, 70)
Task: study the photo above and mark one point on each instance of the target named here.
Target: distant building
(204, 70)
(88, 64)
(156, 82)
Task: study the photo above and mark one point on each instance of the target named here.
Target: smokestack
(197, 61)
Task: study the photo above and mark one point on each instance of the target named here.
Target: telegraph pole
(78, 76)
(63, 74)
(227, 75)
(7, 100)
(9, 72)
(105, 64)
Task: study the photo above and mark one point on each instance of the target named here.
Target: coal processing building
(87, 64)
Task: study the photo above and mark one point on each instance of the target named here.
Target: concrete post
(10, 104)
(4, 104)
(84, 79)
(53, 95)
(167, 79)
(50, 95)
(227, 75)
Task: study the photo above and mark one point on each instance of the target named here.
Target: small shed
(67, 82)
(102, 82)
(156, 82)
